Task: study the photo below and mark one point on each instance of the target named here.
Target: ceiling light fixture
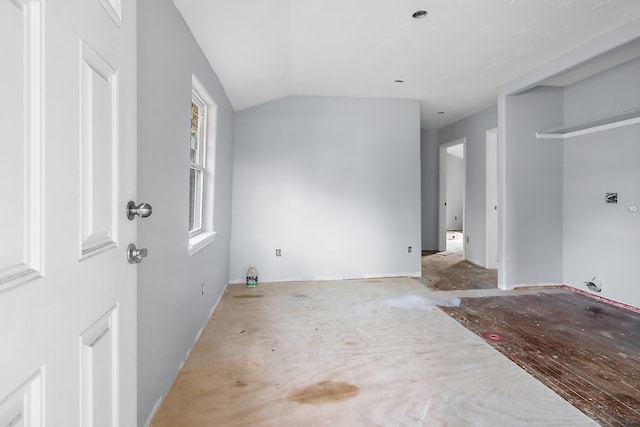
(440, 112)
(419, 14)
(399, 81)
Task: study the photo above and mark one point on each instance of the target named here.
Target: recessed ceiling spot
(440, 112)
(399, 81)
(419, 14)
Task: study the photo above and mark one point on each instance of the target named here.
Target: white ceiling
(452, 61)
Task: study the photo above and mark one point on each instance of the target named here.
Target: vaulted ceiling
(453, 60)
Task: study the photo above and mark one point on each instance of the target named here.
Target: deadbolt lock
(135, 255)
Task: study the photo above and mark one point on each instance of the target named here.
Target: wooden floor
(585, 350)
(359, 353)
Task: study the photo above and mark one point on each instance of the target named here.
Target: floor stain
(324, 392)
(596, 310)
(248, 296)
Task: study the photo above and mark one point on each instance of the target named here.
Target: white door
(492, 200)
(67, 170)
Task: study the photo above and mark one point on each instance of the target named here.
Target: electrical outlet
(202, 288)
(278, 252)
(409, 249)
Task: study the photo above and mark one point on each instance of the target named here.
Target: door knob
(135, 255)
(143, 210)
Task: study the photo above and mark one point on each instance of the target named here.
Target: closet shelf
(623, 118)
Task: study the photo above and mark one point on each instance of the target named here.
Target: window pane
(195, 197)
(195, 123)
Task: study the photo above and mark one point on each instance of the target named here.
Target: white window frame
(203, 233)
(199, 163)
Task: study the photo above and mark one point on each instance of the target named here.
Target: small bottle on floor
(252, 277)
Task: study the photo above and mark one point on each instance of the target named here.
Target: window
(201, 161)
(197, 162)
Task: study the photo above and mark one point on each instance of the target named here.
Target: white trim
(200, 241)
(491, 167)
(328, 278)
(199, 164)
(389, 275)
(334, 278)
(206, 233)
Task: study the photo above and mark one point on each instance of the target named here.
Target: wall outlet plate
(409, 249)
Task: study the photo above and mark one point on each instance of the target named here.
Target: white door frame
(442, 206)
(491, 202)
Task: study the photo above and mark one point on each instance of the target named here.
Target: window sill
(201, 240)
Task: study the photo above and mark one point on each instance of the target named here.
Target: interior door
(442, 195)
(67, 170)
(492, 200)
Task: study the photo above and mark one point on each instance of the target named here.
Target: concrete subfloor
(374, 352)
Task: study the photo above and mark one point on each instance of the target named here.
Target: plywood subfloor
(585, 350)
(352, 353)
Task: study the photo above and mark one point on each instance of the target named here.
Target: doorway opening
(451, 236)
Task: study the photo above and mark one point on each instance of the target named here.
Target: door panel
(67, 293)
(11, 121)
(99, 392)
(23, 407)
(99, 148)
(21, 142)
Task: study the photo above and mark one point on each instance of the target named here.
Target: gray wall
(474, 129)
(429, 179)
(508, 163)
(171, 307)
(455, 191)
(332, 182)
(532, 207)
(601, 239)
